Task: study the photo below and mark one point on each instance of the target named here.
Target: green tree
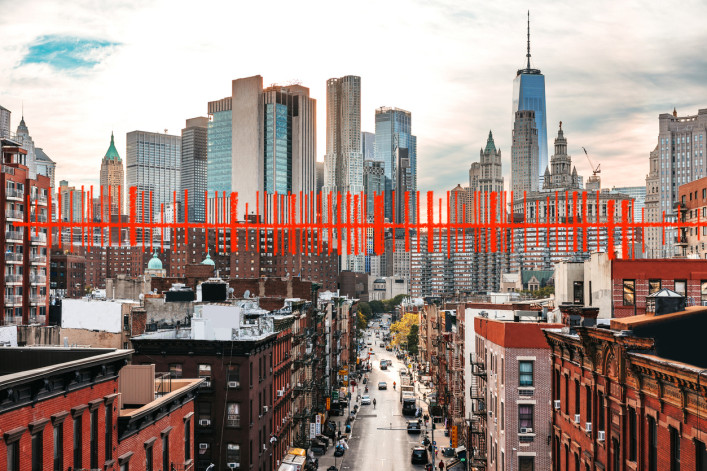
(361, 321)
(377, 307)
(365, 309)
(413, 338)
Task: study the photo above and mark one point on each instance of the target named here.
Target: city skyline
(608, 100)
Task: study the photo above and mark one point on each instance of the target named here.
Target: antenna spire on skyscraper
(528, 54)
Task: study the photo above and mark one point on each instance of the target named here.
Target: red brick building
(67, 274)
(511, 377)
(630, 397)
(692, 198)
(66, 408)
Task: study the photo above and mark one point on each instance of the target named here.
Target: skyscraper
(112, 182)
(653, 235)
(373, 183)
(529, 94)
(27, 144)
(153, 168)
(194, 162)
(267, 134)
(393, 132)
(5, 116)
(368, 145)
(524, 154)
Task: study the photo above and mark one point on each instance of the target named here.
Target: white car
(366, 400)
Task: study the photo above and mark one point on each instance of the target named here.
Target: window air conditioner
(557, 404)
(233, 384)
(601, 435)
(280, 392)
(576, 418)
(203, 446)
(265, 409)
(204, 422)
(588, 427)
(234, 465)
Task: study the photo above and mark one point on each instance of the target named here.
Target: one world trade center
(529, 94)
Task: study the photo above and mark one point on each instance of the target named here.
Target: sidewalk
(328, 459)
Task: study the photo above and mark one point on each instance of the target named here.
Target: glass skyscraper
(393, 132)
(219, 162)
(529, 94)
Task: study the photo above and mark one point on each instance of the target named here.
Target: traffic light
(455, 437)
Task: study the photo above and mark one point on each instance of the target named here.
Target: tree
(377, 307)
(365, 309)
(361, 321)
(401, 329)
(413, 338)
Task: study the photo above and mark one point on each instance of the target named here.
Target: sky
(84, 69)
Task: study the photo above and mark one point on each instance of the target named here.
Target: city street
(380, 440)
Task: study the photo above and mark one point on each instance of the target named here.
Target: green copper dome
(112, 153)
(208, 261)
(490, 145)
(154, 263)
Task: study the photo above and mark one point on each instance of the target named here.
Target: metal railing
(12, 193)
(38, 279)
(12, 214)
(13, 278)
(13, 235)
(13, 299)
(38, 259)
(38, 238)
(13, 257)
(37, 299)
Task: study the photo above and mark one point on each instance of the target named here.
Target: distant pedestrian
(441, 465)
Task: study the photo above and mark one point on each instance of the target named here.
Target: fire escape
(479, 413)
(457, 379)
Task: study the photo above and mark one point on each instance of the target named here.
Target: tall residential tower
(194, 177)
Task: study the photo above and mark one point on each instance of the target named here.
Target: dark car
(414, 427)
(419, 455)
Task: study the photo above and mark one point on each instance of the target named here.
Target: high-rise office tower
(27, 142)
(529, 94)
(267, 134)
(194, 151)
(45, 165)
(153, 162)
(319, 168)
(393, 132)
(368, 145)
(112, 182)
(653, 235)
(373, 183)
(524, 154)
(343, 162)
(405, 184)
(5, 116)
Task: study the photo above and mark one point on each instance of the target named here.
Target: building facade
(112, 183)
(653, 235)
(692, 210)
(194, 167)
(524, 154)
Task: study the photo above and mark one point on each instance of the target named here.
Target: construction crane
(596, 169)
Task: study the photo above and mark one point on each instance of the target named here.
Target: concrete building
(353, 285)
(692, 209)
(373, 184)
(638, 193)
(319, 169)
(268, 134)
(67, 274)
(194, 167)
(510, 391)
(386, 288)
(27, 143)
(653, 235)
(112, 183)
(24, 256)
(5, 116)
(524, 154)
(45, 166)
(153, 169)
(440, 267)
(628, 397)
(395, 141)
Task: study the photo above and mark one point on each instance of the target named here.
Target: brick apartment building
(24, 255)
(631, 397)
(510, 387)
(67, 274)
(692, 208)
(67, 408)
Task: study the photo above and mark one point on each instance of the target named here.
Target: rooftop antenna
(528, 54)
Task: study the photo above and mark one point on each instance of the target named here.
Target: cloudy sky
(86, 68)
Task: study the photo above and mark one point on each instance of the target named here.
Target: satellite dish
(246, 295)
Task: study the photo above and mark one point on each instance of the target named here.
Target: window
(78, 442)
(567, 394)
(59, 447)
(149, 458)
(187, 440)
(652, 444)
(700, 456)
(674, 449)
(588, 393)
(503, 414)
(600, 411)
(615, 454)
(175, 370)
(703, 292)
(13, 456)
(526, 463)
(578, 292)
(629, 292)
(681, 287)
(233, 453)
(653, 286)
(233, 415)
(205, 372)
(633, 434)
(165, 451)
(37, 455)
(525, 417)
(94, 439)
(525, 373)
(576, 396)
(558, 385)
(109, 432)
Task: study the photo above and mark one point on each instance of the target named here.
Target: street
(380, 440)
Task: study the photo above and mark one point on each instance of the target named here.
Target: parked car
(419, 455)
(382, 385)
(366, 400)
(382, 345)
(414, 427)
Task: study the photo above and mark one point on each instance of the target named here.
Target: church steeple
(112, 153)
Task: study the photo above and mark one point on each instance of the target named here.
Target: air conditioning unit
(526, 430)
(233, 465)
(265, 409)
(495, 420)
(265, 448)
(271, 369)
(601, 435)
(283, 420)
(204, 422)
(557, 404)
(233, 384)
(280, 392)
(588, 427)
(203, 446)
(577, 419)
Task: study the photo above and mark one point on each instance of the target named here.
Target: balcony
(14, 215)
(13, 320)
(41, 199)
(35, 299)
(38, 238)
(13, 300)
(38, 279)
(12, 194)
(13, 279)
(40, 218)
(13, 236)
(41, 259)
(38, 320)
(12, 257)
